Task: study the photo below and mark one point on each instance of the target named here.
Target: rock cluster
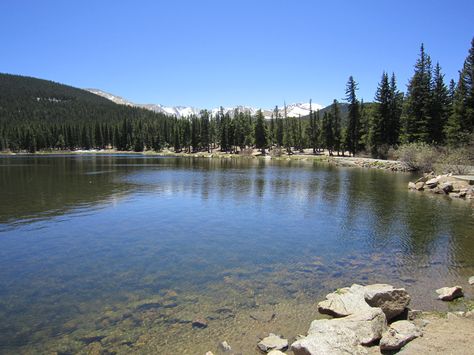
(444, 185)
(357, 298)
(372, 315)
(362, 313)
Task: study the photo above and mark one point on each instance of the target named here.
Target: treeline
(40, 115)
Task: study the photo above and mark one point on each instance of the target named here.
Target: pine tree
(460, 125)
(328, 132)
(439, 106)
(279, 128)
(205, 130)
(260, 132)
(336, 126)
(312, 132)
(379, 123)
(352, 135)
(395, 112)
(417, 111)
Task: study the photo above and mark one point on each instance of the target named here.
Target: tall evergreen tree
(336, 126)
(279, 128)
(328, 132)
(439, 106)
(395, 112)
(260, 132)
(460, 125)
(352, 135)
(417, 110)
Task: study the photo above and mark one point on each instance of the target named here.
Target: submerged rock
(263, 316)
(272, 342)
(471, 280)
(199, 323)
(398, 334)
(449, 293)
(343, 335)
(357, 298)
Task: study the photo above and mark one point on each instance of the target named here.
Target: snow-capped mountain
(292, 110)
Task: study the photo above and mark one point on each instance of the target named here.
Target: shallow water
(121, 253)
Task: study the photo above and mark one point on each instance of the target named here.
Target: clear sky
(210, 53)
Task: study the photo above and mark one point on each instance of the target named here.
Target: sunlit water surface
(120, 254)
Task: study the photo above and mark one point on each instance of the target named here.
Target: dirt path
(450, 335)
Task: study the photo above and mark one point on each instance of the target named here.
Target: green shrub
(418, 156)
(458, 161)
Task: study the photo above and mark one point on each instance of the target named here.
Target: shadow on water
(123, 252)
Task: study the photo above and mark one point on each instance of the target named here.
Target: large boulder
(357, 298)
(449, 293)
(398, 334)
(342, 335)
(391, 300)
(344, 302)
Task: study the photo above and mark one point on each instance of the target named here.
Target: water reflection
(85, 241)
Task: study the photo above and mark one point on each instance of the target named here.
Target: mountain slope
(293, 110)
(27, 99)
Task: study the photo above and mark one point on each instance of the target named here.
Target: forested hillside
(40, 115)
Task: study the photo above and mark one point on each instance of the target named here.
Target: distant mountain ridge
(293, 110)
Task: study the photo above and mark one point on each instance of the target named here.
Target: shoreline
(340, 161)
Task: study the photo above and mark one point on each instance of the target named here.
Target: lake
(122, 253)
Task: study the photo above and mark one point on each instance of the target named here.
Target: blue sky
(211, 53)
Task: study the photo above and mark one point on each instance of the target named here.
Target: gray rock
(412, 185)
(344, 302)
(447, 187)
(272, 342)
(398, 334)
(276, 352)
(432, 183)
(342, 335)
(420, 186)
(392, 301)
(449, 293)
(357, 298)
(471, 280)
(224, 346)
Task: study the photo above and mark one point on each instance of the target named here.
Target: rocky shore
(375, 319)
(448, 185)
